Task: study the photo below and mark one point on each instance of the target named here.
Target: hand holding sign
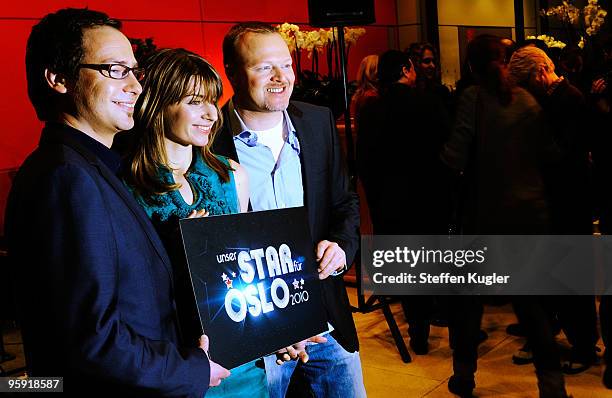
(217, 372)
(198, 213)
(297, 350)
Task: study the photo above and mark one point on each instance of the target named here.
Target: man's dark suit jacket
(93, 280)
(401, 134)
(333, 210)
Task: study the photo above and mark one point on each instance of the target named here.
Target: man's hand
(217, 372)
(598, 86)
(198, 213)
(601, 104)
(297, 351)
(331, 258)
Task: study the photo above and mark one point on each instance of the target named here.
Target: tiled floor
(386, 376)
(12, 345)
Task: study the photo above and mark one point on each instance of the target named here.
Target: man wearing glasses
(93, 280)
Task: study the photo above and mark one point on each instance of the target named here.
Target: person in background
(403, 132)
(568, 186)
(425, 59)
(363, 99)
(292, 155)
(366, 84)
(571, 67)
(500, 131)
(401, 137)
(600, 98)
(467, 77)
(94, 282)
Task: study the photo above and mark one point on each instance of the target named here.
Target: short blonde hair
(366, 75)
(525, 62)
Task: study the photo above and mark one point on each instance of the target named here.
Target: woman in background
(366, 84)
(174, 175)
(364, 101)
(426, 60)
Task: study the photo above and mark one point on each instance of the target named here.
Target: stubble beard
(276, 106)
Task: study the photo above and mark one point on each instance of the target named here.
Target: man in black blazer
(292, 155)
(93, 280)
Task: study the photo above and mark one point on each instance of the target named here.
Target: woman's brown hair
(171, 75)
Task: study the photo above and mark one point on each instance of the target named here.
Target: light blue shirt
(273, 184)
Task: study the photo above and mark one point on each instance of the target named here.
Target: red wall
(198, 25)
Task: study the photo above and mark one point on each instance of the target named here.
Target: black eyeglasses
(116, 71)
(427, 61)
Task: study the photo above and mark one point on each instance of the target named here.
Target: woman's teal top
(209, 192)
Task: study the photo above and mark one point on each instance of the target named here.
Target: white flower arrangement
(593, 18)
(550, 41)
(351, 35)
(315, 42)
(566, 12)
(290, 33)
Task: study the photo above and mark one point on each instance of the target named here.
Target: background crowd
(520, 147)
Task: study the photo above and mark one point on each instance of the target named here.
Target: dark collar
(110, 158)
(560, 82)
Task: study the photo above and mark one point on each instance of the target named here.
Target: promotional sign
(255, 280)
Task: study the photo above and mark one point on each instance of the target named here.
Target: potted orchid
(311, 84)
(580, 24)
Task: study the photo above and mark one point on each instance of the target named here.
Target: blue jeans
(331, 372)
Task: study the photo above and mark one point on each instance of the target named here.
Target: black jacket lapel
(224, 140)
(307, 147)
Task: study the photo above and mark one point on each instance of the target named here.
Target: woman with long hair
(176, 120)
(366, 83)
(362, 103)
(426, 61)
(173, 174)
